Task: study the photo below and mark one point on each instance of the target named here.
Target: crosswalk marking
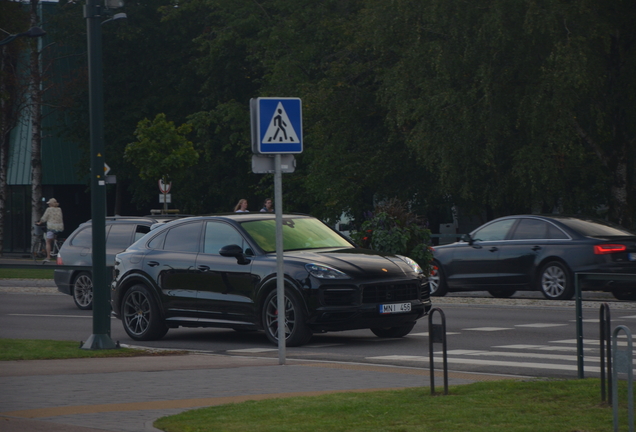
(489, 329)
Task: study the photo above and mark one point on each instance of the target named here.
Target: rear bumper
(63, 280)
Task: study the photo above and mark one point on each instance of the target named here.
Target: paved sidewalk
(129, 394)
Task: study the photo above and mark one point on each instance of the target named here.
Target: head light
(414, 266)
(323, 272)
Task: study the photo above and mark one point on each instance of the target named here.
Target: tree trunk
(36, 124)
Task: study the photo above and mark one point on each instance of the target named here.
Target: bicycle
(38, 249)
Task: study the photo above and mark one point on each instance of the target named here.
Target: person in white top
(241, 206)
(54, 224)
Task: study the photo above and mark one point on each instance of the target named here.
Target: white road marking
(540, 325)
(54, 316)
(489, 329)
(425, 334)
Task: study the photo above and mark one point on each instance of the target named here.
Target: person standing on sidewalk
(54, 224)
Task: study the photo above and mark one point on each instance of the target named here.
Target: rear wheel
(393, 332)
(502, 293)
(141, 316)
(555, 282)
(83, 291)
(296, 330)
(436, 281)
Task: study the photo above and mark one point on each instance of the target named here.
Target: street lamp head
(33, 32)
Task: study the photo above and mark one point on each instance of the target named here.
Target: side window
(219, 234)
(84, 238)
(119, 236)
(495, 231)
(157, 241)
(140, 231)
(529, 229)
(183, 238)
(556, 233)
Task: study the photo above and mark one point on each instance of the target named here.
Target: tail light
(59, 261)
(604, 249)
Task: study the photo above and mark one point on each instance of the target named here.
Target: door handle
(535, 248)
(152, 263)
(203, 268)
(493, 249)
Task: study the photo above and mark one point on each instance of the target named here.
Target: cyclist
(54, 225)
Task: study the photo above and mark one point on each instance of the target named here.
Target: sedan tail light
(59, 261)
(604, 249)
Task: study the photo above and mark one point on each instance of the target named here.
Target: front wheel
(624, 293)
(141, 316)
(555, 282)
(436, 281)
(38, 250)
(393, 332)
(296, 330)
(83, 291)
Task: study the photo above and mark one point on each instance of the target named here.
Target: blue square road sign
(277, 125)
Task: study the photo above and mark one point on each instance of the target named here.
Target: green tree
(162, 150)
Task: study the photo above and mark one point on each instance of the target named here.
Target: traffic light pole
(100, 339)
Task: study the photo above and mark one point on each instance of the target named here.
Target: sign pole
(280, 272)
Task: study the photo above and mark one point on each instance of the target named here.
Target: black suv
(220, 271)
(121, 232)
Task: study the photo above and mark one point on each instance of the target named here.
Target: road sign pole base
(99, 341)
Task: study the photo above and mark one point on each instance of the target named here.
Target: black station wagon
(220, 271)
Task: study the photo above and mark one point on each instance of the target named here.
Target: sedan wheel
(393, 332)
(624, 294)
(555, 282)
(296, 331)
(141, 316)
(436, 281)
(83, 291)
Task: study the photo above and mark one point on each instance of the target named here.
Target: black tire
(83, 291)
(624, 293)
(296, 330)
(555, 282)
(38, 250)
(141, 316)
(502, 293)
(393, 332)
(437, 282)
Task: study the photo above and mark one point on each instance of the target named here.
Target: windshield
(595, 229)
(298, 234)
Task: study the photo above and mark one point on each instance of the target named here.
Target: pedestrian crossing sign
(276, 125)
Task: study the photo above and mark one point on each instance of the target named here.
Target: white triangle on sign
(280, 129)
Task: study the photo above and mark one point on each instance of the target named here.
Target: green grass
(27, 349)
(511, 406)
(36, 273)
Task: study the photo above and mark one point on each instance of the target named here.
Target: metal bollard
(623, 363)
(437, 334)
(605, 325)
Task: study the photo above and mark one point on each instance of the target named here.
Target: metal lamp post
(100, 339)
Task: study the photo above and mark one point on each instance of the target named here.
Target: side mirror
(234, 251)
(468, 239)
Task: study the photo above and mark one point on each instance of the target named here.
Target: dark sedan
(220, 271)
(531, 252)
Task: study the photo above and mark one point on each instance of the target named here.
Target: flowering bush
(394, 230)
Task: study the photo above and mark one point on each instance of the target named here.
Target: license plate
(632, 256)
(395, 308)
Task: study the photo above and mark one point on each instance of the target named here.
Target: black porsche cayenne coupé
(531, 252)
(220, 271)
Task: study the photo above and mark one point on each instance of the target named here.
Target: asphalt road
(519, 336)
